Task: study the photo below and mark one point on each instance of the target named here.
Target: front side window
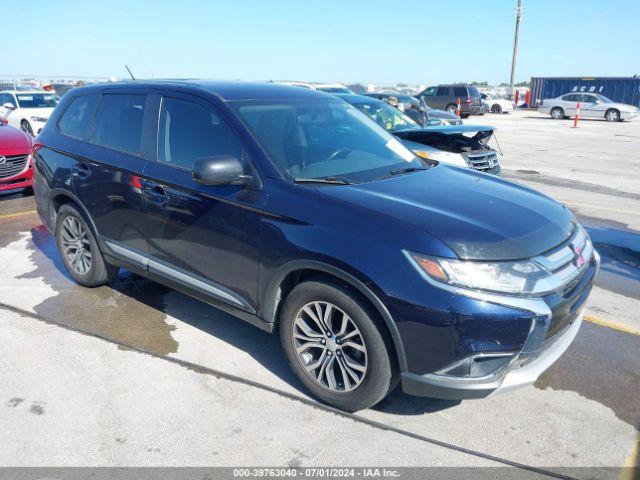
(189, 131)
(430, 92)
(118, 122)
(76, 117)
(37, 100)
(318, 138)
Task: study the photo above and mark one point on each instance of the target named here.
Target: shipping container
(618, 89)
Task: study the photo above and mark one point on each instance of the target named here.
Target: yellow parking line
(621, 327)
(19, 214)
(631, 467)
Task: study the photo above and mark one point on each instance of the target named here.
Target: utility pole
(515, 46)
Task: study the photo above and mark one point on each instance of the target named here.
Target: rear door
(106, 176)
(570, 102)
(203, 238)
(442, 97)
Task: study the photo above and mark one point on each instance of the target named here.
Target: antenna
(128, 70)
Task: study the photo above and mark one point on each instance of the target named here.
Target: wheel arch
(297, 271)
(59, 197)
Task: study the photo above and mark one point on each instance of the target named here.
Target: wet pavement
(584, 411)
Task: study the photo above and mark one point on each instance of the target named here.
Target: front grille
(482, 161)
(13, 165)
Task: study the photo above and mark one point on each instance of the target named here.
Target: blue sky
(419, 42)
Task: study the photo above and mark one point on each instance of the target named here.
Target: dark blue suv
(295, 212)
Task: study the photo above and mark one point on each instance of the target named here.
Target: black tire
(27, 192)
(496, 108)
(99, 271)
(612, 115)
(557, 113)
(451, 108)
(466, 115)
(25, 126)
(380, 376)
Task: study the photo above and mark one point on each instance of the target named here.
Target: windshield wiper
(326, 180)
(401, 171)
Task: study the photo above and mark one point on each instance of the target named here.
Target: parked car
(16, 168)
(332, 88)
(290, 209)
(445, 97)
(412, 104)
(27, 110)
(443, 143)
(592, 105)
(495, 104)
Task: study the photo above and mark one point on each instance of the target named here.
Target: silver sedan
(592, 105)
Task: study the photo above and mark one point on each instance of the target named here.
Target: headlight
(503, 277)
(537, 276)
(39, 119)
(444, 157)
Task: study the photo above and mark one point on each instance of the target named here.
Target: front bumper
(556, 321)
(509, 379)
(629, 115)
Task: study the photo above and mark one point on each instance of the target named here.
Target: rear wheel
(335, 346)
(557, 113)
(79, 249)
(496, 108)
(612, 115)
(25, 126)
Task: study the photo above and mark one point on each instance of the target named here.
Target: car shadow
(134, 311)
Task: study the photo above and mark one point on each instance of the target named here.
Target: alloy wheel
(612, 116)
(26, 128)
(75, 245)
(329, 346)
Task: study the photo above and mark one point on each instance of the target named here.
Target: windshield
(37, 100)
(388, 117)
(334, 89)
(604, 99)
(318, 138)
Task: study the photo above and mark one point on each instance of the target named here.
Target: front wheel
(336, 346)
(496, 109)
(612, 115)
(25, 126)
(451, 108)
(557, 113)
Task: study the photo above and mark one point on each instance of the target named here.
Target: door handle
(80, 170)
(156, 193)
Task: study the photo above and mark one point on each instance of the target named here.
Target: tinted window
(588, 99)
(443, 91)
(118, 122)
(76, 117)
(37, 100)
(474, 92)
(571, 98)
(8, 98)
(317, 138)
(429, 91)
(459, 92)
(189, 131)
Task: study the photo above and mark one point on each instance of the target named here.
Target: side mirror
(8, 106)
(220, 170)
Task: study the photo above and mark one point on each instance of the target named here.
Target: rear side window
(443, 91)
(460, 91)
(118, 122)
(189, 131)
(76, 117)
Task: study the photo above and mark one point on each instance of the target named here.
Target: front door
(204, 238)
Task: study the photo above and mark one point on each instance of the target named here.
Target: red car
(16, 165)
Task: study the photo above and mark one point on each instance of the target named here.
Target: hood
(433, 113)
(12, 138)
(419, 134)
(623, 107)
(479, 217)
